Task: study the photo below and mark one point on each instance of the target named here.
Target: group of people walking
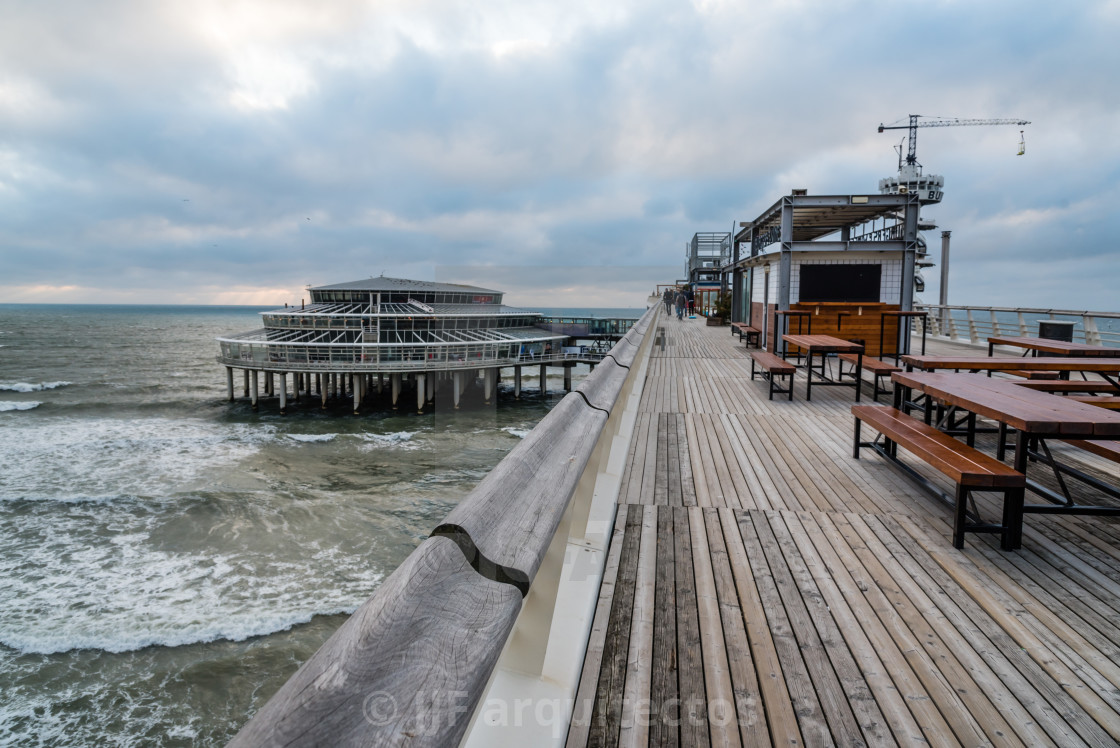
(680, 298)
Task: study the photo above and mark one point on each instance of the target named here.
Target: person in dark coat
(682, 302)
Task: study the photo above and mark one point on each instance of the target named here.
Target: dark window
(854, 283)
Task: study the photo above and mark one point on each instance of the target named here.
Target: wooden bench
(773, 366)
(879, 370)
(1036, 375)
(1112, 402)
(970, 469)
(1107, 450)
(1070, 385)
(743, 330)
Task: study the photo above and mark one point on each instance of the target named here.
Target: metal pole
(944, 290)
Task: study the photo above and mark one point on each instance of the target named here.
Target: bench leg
(961, 515)
(855, 444)
(752, 369)
(1012, 537)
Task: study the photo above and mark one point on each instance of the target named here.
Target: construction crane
(911, 155)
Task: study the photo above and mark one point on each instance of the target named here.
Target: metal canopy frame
(800, 222)
(812, 217)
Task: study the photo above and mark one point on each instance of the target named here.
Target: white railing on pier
(975, 324)
(413, 663)
(358, 357)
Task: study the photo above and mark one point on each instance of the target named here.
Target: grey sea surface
(167, 558)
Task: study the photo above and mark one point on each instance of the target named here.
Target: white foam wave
(519, 433)
(84, 459)
(28, 387)
(397, 438)
(312, 437)
(8, 405)
(130, 593)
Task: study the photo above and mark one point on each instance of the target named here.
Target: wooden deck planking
(808, 598)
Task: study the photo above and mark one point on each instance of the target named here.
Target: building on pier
(840, 265)
(396, 333)
(707, 253)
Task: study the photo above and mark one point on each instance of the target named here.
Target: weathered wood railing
(413, 662)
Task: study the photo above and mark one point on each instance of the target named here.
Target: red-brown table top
(1019, 407)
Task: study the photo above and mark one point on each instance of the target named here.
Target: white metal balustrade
(975, 324)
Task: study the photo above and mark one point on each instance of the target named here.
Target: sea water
(168, 558)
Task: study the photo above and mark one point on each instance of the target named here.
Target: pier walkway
(763, 587)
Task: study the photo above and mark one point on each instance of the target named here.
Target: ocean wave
(84, 459)
(519, 433)
(7, 405)
(28, 387)
(395, 438)
(311, 437)
(40, 641)
(127, 592)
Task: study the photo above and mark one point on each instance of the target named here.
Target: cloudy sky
(218, 151)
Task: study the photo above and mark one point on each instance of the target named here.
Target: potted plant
(722, 311)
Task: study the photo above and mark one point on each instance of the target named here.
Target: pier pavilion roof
(343, 308)
(382, 283)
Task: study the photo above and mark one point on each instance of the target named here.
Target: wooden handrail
(602, 387)
(403, 668)
(510, 518)
(413, 662)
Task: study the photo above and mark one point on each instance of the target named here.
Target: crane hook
(1022, 144)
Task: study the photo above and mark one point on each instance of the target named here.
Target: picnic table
(1106, 368)
(822, 345)
(1032, 346)
(899, 315)
(781, 324)
(1035, 416)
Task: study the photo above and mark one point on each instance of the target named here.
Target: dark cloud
(146, 148)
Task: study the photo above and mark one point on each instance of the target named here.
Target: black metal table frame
(1026, 450)
(782, 318)
(900, 315)
(825, 381)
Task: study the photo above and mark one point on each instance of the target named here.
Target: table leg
(1013, 505)
(809, 377)
(882, 335)
(859, 374)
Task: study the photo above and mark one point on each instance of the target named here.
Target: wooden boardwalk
(763, 587)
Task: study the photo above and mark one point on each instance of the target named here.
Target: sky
(225, 151)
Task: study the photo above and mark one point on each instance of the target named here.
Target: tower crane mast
(911, 155)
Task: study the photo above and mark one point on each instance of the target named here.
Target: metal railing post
(1092, 335)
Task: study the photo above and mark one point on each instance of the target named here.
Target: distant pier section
(367, 336)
